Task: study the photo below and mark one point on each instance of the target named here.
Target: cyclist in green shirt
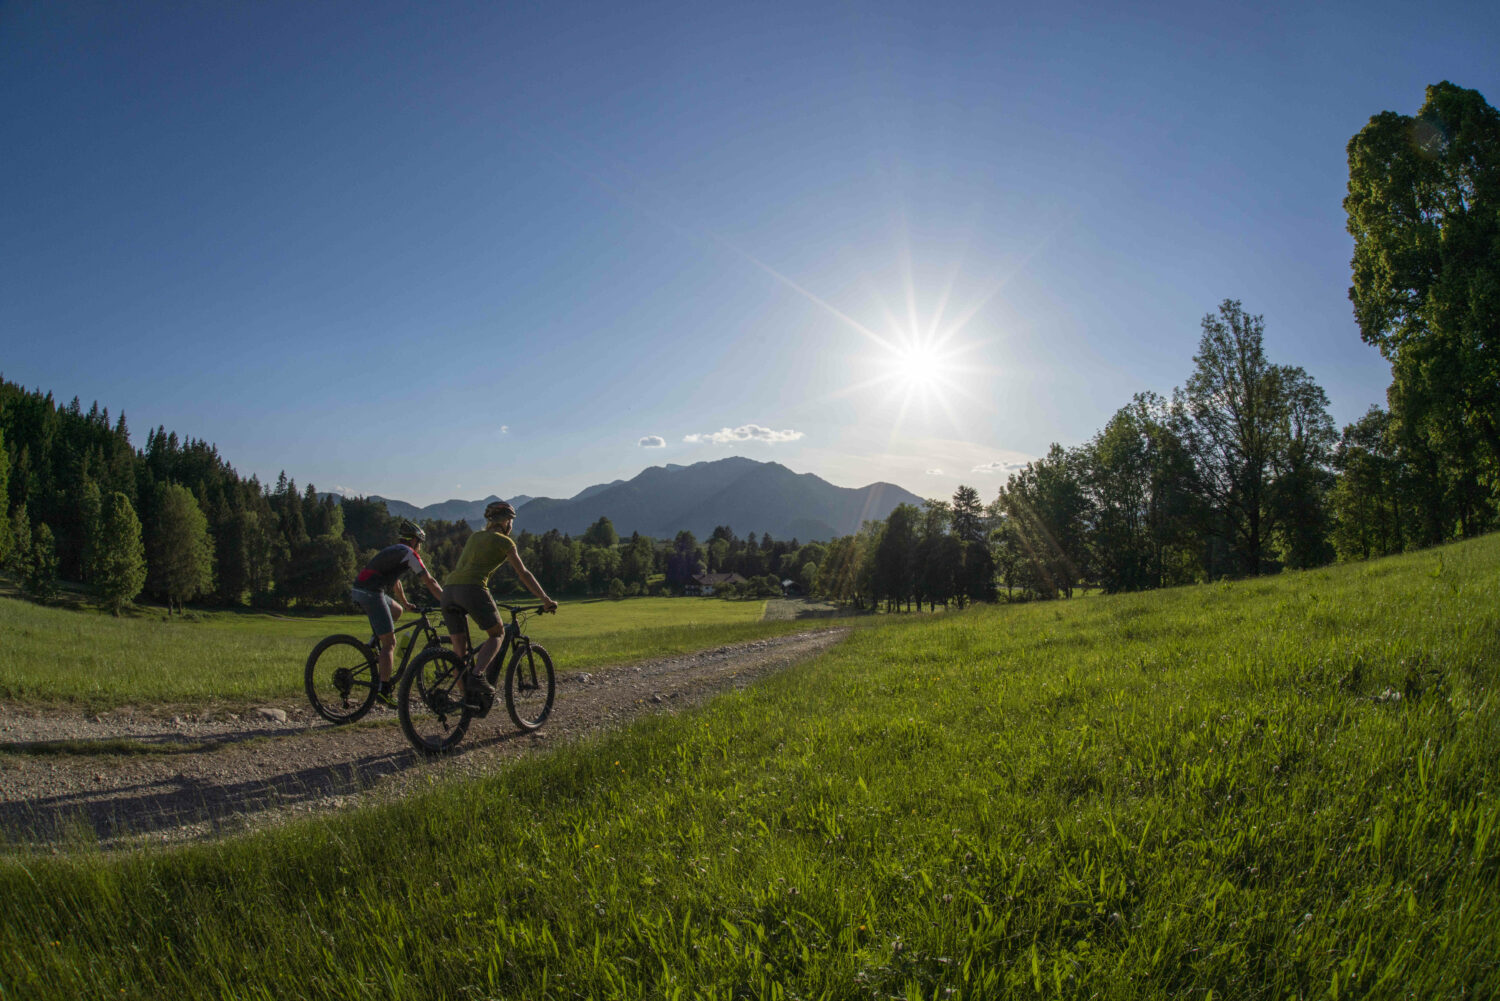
(466, 590)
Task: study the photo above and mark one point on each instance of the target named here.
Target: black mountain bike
(342, 676)
(435, 714)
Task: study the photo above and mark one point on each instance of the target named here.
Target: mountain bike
(342, 675)
(435, 713)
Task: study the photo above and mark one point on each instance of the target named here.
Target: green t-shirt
(482, 556)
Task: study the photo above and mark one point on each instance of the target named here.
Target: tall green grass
(1281, 788)
(55, 654)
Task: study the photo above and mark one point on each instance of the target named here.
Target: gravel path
(163, 773)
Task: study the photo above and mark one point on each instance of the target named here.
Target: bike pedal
(478, 703)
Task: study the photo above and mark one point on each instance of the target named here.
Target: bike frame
(420, 624)
(515, 640)
(440, 697)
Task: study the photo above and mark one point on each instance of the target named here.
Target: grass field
(55, 654)
(1284, 788)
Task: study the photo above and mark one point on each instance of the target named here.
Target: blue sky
(449, 250)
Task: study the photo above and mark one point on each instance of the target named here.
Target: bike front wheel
(529, 687)
(430, 704)
(341, 678)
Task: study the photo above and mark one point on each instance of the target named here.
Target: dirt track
(155, 773)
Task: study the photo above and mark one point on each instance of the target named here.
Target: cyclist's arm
(527, 579)
(415, 565)
(399, 604)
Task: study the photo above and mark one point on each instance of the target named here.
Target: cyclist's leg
(475, 601)
(489, 648)
(455, 618)
(377, 608)
(385, 657)
(483, 611)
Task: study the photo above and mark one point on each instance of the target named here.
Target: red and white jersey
(387, 566)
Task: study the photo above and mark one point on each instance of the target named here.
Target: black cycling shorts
(472, 600)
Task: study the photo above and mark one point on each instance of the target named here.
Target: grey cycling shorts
(459, 599)
(377, 608)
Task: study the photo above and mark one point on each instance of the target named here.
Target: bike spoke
(431, 708)
(340, 678)
(529, 687)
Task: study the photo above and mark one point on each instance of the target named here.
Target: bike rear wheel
(341, 678)
(529, 687)
(429, 704)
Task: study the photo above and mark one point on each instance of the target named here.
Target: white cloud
(505, 429)
(934, 472)
(653, 441)
(998, 466)
(745, 432)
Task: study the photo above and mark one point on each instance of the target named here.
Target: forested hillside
(175, 521)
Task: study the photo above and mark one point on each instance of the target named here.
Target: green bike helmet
(410, 531)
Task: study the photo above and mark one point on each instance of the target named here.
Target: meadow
(1283, 787)
(66, 655)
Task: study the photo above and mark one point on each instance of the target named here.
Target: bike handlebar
(430, 609)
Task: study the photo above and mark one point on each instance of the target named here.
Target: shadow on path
(169, 804)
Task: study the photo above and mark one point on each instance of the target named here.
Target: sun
(925, 367)
(917, 376)
(917, 369)
(918, 373)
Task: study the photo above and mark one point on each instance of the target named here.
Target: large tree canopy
(1424, 211)
(1262, 440)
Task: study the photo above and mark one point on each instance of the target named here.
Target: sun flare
(919, 371)
(917, 368)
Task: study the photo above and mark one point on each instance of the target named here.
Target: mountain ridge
(748, 495)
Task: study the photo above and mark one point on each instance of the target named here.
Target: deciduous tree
(1047, 506)
(1260, 436)
(1369, 504)
(1232, 399)
(1303, 475)
(1423, 207)
(602, 534)
(895, 556)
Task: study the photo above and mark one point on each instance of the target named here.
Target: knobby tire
(428, 702)
(341, 678)
(529, 687)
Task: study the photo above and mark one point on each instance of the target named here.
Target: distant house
(704, 584)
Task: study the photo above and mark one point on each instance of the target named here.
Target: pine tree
(90, 516)
(976, 572)
(181, 556)
(4, 500)
(41, 569)
(20, 539)
(120, 563)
